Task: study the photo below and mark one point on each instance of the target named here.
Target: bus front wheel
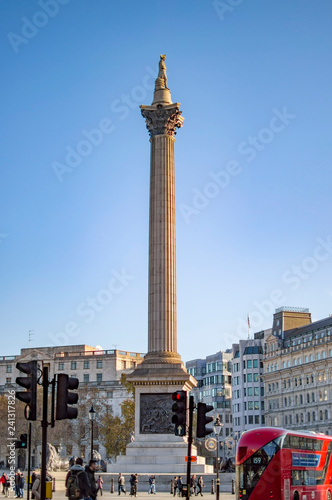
(328, 495)
(296, 496)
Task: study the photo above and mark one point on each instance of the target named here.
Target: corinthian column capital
(162, 120)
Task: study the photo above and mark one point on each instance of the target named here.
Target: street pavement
(59, 492)
(143, 495)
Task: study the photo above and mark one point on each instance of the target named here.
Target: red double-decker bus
(278, 464)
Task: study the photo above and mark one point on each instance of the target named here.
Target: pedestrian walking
(174, 485)
(90, 472)
(121, 484)
(133, 485)
(193, 484)
(3, 481)
(77, 482)
(100, 483)
(152, 483)
(180, 486)
(200, 485)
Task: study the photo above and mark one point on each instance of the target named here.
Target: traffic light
(65, 398)
(179, 409)
(202, 420)
(29, 397)
(23, 443)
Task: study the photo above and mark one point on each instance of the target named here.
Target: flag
(248, 321)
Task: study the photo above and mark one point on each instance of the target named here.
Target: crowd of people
(81, 483)
(18, 486)
(196, 485)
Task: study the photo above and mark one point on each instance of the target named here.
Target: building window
(86, 365)
(99, 363)
(9, 369)
(61, 366)
(73, 365)
(8, 380)
(86, 378)
(99, 377)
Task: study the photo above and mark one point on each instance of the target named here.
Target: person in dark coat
(180, 485)
(90, 470)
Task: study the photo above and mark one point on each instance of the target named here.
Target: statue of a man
(162, 69)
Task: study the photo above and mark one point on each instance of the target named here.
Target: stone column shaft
(162, 333)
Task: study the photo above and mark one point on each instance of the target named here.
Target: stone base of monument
(163, 457)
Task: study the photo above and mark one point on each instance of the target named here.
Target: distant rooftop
(292, 309)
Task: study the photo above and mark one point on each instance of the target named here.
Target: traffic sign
(180, 430)
(190, 459)
(211, 444)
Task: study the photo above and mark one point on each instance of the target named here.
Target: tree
(116, 431)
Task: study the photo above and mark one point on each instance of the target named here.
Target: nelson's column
(156, 448)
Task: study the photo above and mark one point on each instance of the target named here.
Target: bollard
(53, 489)
(112, 485)
(212, 486)
(233, 487)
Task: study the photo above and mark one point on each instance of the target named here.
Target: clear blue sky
(253, 167)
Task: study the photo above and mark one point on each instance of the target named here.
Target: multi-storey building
(98, 371)
(247, 385)
(214, 387)
(298, 372)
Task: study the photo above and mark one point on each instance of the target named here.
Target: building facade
(98, 371)
(214, 386)
(298, 372)
(248, 406)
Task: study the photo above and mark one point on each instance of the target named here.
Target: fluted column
(162, 121)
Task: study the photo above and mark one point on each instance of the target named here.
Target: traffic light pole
(190, 438)
(44, 424)
(29, 460)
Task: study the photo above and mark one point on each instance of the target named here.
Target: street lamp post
(92, 417)
(217, 429)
